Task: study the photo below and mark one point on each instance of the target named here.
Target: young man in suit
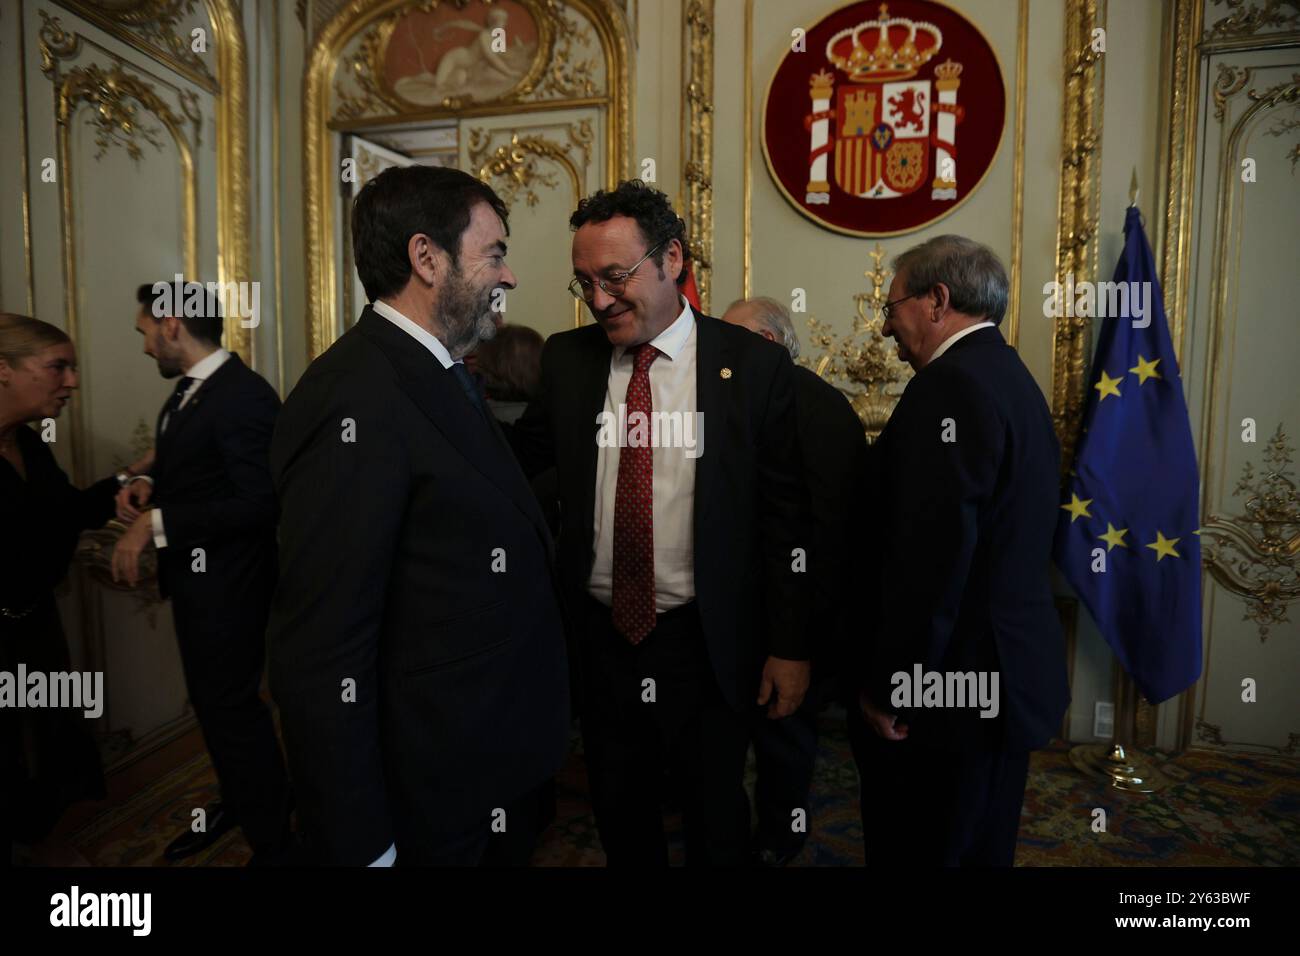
(211, 516)
(417, 652)
(968, 482)
(833, 456)
(677, 558)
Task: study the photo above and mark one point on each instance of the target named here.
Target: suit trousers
(222, 653)
(500, 839)
(928, 807)
(653, 713)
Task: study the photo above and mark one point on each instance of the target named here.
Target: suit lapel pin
(725, 373)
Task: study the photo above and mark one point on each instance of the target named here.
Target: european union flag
(1133, 490)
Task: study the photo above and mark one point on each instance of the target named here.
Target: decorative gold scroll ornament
(863, 365)
(1254, 555)
(155, 25)
(1248, 18)
(513, 166)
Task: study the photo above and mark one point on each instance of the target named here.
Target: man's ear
(942, 297)
(675, 260)
(423, 256)
(171, 327)
(767, 334)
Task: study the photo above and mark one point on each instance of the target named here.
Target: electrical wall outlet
(1103, 719)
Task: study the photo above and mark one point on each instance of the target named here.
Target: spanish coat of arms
(900, 101)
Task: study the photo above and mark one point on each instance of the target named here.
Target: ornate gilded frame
(323, 59)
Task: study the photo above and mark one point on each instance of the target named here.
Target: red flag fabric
(689, 289)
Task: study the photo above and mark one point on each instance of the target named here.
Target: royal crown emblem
(885, 114)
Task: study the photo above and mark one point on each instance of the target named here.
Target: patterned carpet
(1218, 810)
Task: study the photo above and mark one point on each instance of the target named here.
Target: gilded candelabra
(863, 364)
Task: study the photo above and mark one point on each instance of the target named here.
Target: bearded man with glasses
(679, 565)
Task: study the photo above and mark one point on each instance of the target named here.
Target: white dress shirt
(199, 371)
(417, 332)
(951, 340)
(672, 389)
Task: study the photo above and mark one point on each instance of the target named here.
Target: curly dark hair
(648, 206)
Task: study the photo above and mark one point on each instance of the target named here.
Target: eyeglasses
(887, 310)
(585, 289)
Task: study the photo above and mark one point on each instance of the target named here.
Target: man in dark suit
(968, 483)
(212, 518)
(833, 450)
(677, 553)
(417, 651)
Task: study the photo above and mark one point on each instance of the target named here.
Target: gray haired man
(967, 492)
(833, 454)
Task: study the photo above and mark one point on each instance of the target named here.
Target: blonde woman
(49, 758)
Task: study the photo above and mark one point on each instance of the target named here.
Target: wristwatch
(123, 478)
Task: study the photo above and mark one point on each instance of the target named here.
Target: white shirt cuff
(389, 857)
(159, 535)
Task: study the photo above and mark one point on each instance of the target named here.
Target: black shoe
(773, 858)
(189, 842)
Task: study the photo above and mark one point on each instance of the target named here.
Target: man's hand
(790, 679)
(131, 499)
(126, 556)
(885, 725)
(143, 466)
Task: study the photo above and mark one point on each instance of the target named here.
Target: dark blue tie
(467, 383)
(174, 403)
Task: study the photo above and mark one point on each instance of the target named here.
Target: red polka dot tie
(634, 537)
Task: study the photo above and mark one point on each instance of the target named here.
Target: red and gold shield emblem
(862, 129)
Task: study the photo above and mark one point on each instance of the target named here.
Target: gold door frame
(324, 57)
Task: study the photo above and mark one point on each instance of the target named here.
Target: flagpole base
(1112, 762)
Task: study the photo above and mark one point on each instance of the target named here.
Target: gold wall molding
(1228, 544)
(697, 112)
(152, 27)
(106, 93)
(1249, 19)
(233, 228)
(1182, 81)
(1230, 81)
(326, 55)
(1213, 734)
(1078, 211)
(747, 174)
(512, 167)
(29, 264)
(1256, 554)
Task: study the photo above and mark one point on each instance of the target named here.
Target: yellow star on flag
(1145, 369)
(1114, 536)
(1077, 507)
(1163, 546)
(1107, 386)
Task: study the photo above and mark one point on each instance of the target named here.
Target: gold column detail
(1078, 210)
(233, 227)
(697, 175)
(1180, 103)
